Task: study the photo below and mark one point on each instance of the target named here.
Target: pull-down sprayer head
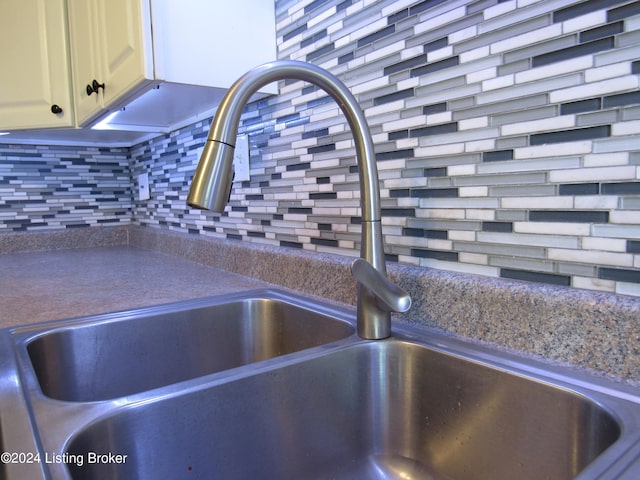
(211, 186)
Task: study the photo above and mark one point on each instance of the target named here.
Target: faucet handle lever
(389, 296)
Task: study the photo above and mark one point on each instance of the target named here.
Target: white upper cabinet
(34, 78)
(164, 60)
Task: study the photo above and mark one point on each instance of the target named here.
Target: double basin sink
(266, 384)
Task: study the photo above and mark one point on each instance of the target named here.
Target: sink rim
(57, 422)
(270, 324)
(25, 335)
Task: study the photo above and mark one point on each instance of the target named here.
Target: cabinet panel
(35, 73)
(86, 64)
(123, 46)
(110, 43)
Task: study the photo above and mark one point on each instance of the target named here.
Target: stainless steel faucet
(211, 184)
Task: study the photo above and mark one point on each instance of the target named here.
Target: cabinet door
(84, 59)
(111, 44)
(125, 46)
(35, 70)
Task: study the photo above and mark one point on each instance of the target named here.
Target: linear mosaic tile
(63, 187)
(506, 139)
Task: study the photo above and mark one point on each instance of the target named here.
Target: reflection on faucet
(212, 181)
(390, 297)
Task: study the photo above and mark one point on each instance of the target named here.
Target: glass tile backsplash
(507, 138)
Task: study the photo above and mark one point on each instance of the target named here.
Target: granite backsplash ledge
(596, 331)
(324, 275)
(64, 238)
(592, 330)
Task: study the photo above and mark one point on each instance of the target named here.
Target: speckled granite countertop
(132, 266)
(48, 285)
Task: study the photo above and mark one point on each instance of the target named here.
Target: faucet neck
(224, 128)
(215, 167)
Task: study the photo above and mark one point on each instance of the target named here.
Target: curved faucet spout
(224, 130)
(213, 177)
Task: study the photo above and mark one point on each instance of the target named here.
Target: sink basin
(388, 409)
(114, 355)
(270, 385)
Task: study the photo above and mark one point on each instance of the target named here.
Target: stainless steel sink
(381, 410)
(109, 356)
(420, 405)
